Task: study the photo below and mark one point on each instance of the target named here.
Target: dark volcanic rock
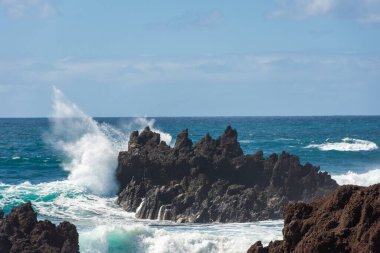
(21, 232)
(348, 220)
(212, 180)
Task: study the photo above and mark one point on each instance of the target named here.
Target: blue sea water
(65, 166)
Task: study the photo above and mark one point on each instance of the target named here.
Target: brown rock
(347, 220)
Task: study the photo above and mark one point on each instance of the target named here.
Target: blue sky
(191, 58)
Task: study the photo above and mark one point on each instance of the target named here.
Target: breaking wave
(90, 148)
(162, 238)
(347, 144)
(105, 228)
(364, 179)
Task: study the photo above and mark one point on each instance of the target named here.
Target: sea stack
(348, 220)
(212, 180)
(21, 232)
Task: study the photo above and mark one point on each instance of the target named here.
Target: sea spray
(90, 148)
(141, 122)
(364, 179)
(90, 155)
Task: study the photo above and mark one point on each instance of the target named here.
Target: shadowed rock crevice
(21, 232)
(211, 180)
(348, 220)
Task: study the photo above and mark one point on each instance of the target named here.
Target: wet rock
(347, 220)
(21, 232)
(211, 180)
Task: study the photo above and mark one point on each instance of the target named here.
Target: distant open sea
(66, 168)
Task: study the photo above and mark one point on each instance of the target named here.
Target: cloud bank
(362, 11)
(21, 8)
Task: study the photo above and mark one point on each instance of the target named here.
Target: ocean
(65, 165)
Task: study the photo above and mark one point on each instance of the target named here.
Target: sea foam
(62, 200)
(347, 144)
(179, 238)
(104, 227)
(364, 179)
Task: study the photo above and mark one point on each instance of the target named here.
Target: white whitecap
(246, 141)
(347, 144)
(364, 179)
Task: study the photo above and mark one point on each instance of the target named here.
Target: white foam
(236, 237)
(63, 200)
(104, 227)
(364, 179)
(246, 141)
(347, 144)
(91, 149)
(90, 155)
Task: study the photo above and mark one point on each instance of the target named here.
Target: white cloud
(370, 19)
(317, 7)
(363, 11)
(21, 8)
(190, 21)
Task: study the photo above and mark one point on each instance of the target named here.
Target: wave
(347, 144)
(104, 227)
(364, 179)
(90, 148)
(174, 238)
(62, 200)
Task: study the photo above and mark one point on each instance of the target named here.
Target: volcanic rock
(348, 220)
(212, 180)
(21, 232)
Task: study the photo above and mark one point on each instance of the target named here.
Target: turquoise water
(65, 166)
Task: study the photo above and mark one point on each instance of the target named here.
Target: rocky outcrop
(346, 221)
(21, 232)
(212, 180)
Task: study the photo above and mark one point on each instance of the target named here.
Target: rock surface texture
(212, 180)
(348, 220)
(21, 232)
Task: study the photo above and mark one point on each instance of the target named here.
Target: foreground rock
(211, 181)
(21, 232)
(346, 221)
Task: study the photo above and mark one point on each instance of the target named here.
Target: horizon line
(222, 116)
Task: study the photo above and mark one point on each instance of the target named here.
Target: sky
(191, 58)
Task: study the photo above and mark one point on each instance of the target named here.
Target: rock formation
(348, 220)
(212, 180)
(21, 232)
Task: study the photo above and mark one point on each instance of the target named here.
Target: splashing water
(141, 123)
(91, 156)
(90, 148)
(364, 179)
